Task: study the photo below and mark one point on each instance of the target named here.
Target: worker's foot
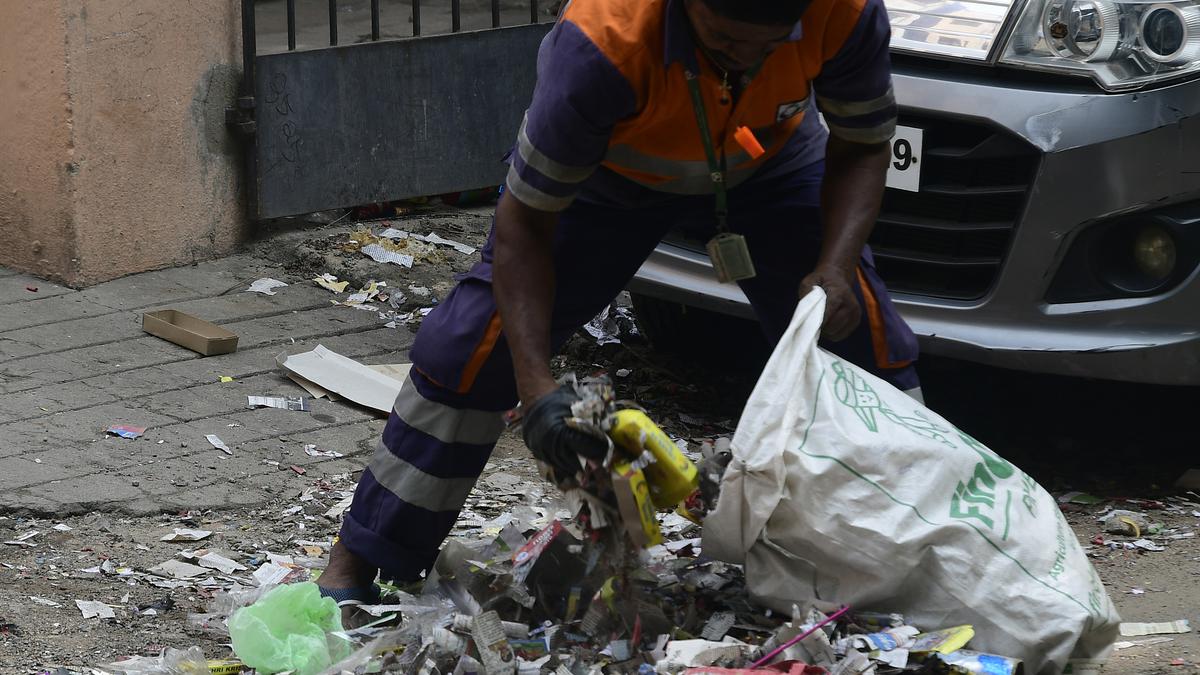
(350, 581)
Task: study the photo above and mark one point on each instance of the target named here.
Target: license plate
(904, 171)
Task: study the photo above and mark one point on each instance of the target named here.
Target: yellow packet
(943, 641)
(672, 476)
(224, 667)
(637, 510)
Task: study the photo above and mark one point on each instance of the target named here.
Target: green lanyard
(716, 168)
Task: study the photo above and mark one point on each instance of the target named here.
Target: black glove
(552, 440)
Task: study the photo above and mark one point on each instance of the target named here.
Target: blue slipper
(345, 597)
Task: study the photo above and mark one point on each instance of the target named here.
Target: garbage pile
(556, 601)
(606, 581)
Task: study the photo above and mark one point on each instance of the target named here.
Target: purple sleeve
(580, 95)
(854, 89)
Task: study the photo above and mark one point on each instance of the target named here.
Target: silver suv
(1043, 206)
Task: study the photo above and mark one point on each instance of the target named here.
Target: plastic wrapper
(289, 629)
(967, 662)
(188, 661)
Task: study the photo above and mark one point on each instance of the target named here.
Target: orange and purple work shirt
(612, 122)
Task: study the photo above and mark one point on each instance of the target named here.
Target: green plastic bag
(287, 629)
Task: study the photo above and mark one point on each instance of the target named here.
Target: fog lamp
(1154, 252)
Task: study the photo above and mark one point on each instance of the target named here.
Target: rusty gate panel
(373, 122)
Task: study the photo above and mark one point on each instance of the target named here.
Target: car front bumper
(1102, 156)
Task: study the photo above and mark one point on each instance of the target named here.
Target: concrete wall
(36, 230)
(134, 168)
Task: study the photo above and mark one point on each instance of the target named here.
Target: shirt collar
(679, 45)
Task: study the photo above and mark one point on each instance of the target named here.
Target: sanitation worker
(647, 114)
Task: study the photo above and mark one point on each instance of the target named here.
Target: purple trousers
(448, 416)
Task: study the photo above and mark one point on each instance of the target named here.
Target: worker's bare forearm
(850, 197)
(523, 283)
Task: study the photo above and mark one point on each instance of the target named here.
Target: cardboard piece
(1135, 629)
(312, 388)
(343, 376)
(396, 371)
(188, 331)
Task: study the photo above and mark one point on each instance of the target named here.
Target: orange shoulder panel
(827, 25)
(628, 32)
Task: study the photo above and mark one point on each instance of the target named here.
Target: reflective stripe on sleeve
(550, 168)
(838, 108)
(867, 135)
(533, 197)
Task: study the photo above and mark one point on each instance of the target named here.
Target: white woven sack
(844, 489)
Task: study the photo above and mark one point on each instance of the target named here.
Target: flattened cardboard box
(188, 331)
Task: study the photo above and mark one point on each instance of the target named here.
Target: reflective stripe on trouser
(424, 467)
(446, 418)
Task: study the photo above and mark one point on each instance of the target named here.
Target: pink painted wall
(131, 167)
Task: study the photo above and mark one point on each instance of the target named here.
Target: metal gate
(385, 119)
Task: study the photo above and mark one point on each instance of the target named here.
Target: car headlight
(1120, 44)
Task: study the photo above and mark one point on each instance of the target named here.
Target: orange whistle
(749, 143)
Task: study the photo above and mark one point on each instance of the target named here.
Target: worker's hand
(553, 440)
(842, 311)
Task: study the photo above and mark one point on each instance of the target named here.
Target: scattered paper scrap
(339, 508)
(218, 444)
(296, 403)
(456, 245)
(431, 238)
(381, 610)
(1161, 628)
(23, 540)
(44, 601)
(186, 534)
(63, 527)
(95, 610)
(220, 563)
(1147, 545)
(331, 282)
(266, 286)
(177, 569)
(312, 451)
(270, 573)
(343, 376)
(125, 431)
(381, 254)
(1127, 644)
(366, 293)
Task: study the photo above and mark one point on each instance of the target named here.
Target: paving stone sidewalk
(74, 362)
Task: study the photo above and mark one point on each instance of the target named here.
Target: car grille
(949, 239)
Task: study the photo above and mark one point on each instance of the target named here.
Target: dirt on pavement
(105, 557)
